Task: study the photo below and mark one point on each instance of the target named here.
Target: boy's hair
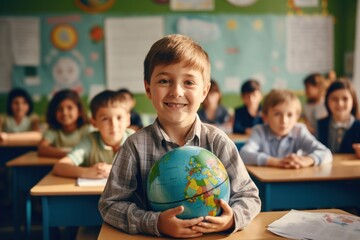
(277, 96)
(126, 91)
(105, 99)
(54, 104)
(18, 92)
(249, 86)
(339, 84)
(314, 80)
(173, 49)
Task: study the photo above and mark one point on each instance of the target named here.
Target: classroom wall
(343, 12)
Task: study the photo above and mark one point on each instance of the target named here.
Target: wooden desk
(330, 185)
(239, 139)
(27, 170)
(256, 229)
(65, 204)
(12, 149)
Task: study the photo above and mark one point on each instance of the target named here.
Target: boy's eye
(163, 81)
(189, 83)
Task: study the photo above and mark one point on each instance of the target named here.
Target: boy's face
(282, 118)
(111, 121)
(176, 93)
(252, 99)
(312, 92)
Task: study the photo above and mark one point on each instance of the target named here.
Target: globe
(189, 176)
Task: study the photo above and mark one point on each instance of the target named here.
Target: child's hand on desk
(3, 136)
(297, 161)
(356, 147)
(99, 170)
(169, 224)
(217, 224)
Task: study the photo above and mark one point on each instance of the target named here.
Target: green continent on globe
(204, 175)
(156, 170)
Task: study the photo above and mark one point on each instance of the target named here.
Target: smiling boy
(281, 141)
(177, 79)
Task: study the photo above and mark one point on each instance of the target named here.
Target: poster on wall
(128, 40)
(192, 5)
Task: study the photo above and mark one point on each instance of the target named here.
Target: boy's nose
(176, 90)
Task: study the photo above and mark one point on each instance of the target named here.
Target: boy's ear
(205, 91)
(93, 122)
(264, 117)
(147, 89)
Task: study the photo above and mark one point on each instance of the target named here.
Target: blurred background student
(212, 111)
(19, 123)
(340, 130)
(314, 108)
(67, 122)
(249, 114)
(135, 119)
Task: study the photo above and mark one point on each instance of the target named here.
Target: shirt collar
(345, 125)
(103, 144)
(271, 136)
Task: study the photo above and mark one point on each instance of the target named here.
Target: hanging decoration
(94, 6)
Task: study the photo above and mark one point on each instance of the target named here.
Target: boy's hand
(297, 161)
(356, 147)
(3, 136)
(99, 170)
(217, 224)
(169, 224)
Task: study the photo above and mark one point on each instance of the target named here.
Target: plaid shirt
(124, 204)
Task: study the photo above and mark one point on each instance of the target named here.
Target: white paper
(310, 45)
(6, 60)
(128, 40)
(320, 226)
(88, 182)
(25, 39)
(183, 5)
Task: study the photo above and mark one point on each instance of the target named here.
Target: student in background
(177, 80)
(67, 124)
(314, 108)
(281, 141)
(93, 156)
(135, 119)
(212, 111)
(340, 131)
(249, 114)
(19, 123)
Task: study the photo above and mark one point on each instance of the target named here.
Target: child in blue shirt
(281, 141)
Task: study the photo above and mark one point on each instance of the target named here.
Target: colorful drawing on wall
(66, 72)
(94, 6)
(96, 34)
(64, 37)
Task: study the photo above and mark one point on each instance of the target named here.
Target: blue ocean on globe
(189, 176)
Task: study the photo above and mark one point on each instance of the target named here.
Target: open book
(319, 225)
(83, 182)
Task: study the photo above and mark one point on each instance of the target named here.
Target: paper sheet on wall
(309, 43)
(195, 5)
(127, 42)
(25, 39)
(5, 55)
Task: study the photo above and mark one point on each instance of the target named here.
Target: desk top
(18, 143)
(255, 230)
(344, 167)
(31, 159)
(236, 137)
(52, 185)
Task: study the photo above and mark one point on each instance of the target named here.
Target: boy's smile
(176, 93)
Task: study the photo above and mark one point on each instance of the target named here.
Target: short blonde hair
(277, 96)
(173, 49)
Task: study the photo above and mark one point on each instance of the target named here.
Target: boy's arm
(120, 205)
(251, 152)
(46, 150)
(65, 167)
(244, 195)
(312, 148)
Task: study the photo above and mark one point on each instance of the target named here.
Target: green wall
(344, 13)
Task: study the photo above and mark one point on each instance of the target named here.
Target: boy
(93, 156)
(314, 108)
(135, 119)
(281, 141)
(248, 115)
(177, 79)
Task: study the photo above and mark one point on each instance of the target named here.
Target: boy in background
(282, 141)
(93, 156)
(177, 80)
(135, 119)
(314, 108)
(248, 115)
